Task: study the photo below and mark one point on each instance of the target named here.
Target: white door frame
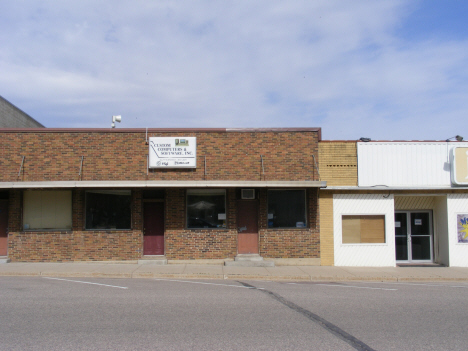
(410, 237)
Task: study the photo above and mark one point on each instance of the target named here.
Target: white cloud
(332, 64)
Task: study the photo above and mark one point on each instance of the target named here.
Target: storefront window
(206, 208)
(363, 229)
(47, 209)
(286, 209)
(108, 209)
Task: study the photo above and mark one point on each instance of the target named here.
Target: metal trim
(163, 184)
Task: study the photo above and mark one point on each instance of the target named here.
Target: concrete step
(248, 257)
(156, 260)
(4, 259)
(249, 260)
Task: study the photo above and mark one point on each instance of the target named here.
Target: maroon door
(3, 227)
(153, 231)
(247, 227)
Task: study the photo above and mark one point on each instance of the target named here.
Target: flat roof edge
(162, 184)
(156, 130)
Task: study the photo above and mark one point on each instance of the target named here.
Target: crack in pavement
(335, 330)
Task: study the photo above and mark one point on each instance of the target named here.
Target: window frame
(107, 191)
(306, 222)
(212, 191)
(383, 215)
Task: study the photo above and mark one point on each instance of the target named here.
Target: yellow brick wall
(338, 162)
(337, 166)
(326, 228)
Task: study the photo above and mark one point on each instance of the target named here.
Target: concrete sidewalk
(192, 271)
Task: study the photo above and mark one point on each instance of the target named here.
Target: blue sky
(385, 69)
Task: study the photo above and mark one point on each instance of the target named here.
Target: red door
(153, 231)
(3, 227)
(247, 227)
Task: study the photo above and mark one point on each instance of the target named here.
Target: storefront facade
(116, 194)
(397, 203)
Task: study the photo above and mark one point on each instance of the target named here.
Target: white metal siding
(405, 163)
(456, 204)
(364, 254)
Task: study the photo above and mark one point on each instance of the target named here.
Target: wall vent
(248, 194)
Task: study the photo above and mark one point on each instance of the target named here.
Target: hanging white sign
(173, 152)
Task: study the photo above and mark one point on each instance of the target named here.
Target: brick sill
(60, 231)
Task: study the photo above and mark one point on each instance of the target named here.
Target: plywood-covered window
(363, 229)
(47, 209)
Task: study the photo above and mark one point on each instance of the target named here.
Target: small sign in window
(418, 222)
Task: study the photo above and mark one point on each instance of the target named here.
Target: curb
(300, 278)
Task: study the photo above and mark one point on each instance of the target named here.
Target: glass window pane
(108, 209)
(421, 247)
(206, 208)
(286, 209)
(420, 223)
(401, 248)
(401, 228)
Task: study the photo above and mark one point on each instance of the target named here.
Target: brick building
(170, 194)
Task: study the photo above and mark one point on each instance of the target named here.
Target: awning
(163, 184)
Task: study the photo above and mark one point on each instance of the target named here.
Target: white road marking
(187, 281)
(355, 287)
(342, 286)
(79, 281)
(424, 284)
(401, 283)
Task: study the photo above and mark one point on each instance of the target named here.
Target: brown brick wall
(56, 156)
(122, 156)
(338, 162)
(290, 243)
(77, 244)
(182, 243)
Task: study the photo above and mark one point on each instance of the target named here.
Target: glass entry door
(413, 236)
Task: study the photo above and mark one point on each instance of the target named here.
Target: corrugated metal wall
(405, 163)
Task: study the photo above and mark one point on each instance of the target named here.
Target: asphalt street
(52, 313)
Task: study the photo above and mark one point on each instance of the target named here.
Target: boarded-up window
(47, 209)
(363, 229)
